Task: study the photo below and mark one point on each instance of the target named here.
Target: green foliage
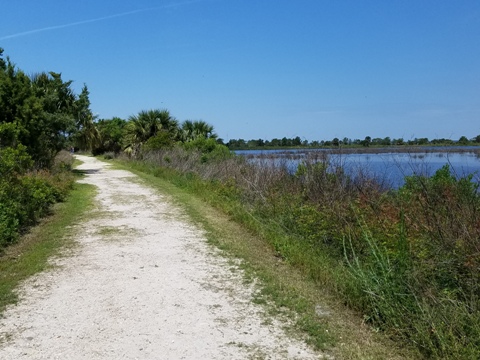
(9, 135)
(209, 148)
(445, 212)
(145, 125)
(25, 196)
(367, 142)
(14, 162)
(191, 130)
(110, 136)
(2, 62)
(41, 112)
(442, 185)
(202, 144)
(38, 115)
(156, 130)
(87, 136)
(46, 117)
(162, 140)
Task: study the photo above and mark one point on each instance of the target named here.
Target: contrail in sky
(56, 27)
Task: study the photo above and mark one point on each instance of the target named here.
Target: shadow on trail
(85, 171)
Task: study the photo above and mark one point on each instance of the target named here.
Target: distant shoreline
(367, 150)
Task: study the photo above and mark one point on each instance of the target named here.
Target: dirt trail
(142, 284)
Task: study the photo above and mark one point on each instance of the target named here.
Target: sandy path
(142, 284)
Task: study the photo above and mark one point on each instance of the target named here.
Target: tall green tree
(111, 135)
(36, 111)
(50, 115)
(367, 141)
(463, 140)
(87, 136)
(3, 64)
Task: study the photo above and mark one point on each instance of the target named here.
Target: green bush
(209, 148)
(27, 195)
(162, 140)
(22, 203)
(14, 162)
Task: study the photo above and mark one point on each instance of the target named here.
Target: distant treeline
(237, 144)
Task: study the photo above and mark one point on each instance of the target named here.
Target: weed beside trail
(408, 259)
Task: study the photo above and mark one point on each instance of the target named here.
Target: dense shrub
(162, 140)
(27, 195)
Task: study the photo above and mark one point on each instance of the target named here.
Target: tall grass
(409, 259)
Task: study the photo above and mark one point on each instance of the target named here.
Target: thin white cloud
(56, 27)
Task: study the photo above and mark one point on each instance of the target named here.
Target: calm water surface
(388, 168)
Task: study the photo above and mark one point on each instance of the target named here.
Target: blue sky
(317, 69)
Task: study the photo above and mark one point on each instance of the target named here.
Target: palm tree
(187, 130)
(192, 130)
(148, 124)
(88, 136)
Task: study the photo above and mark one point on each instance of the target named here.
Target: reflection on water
(389, 169)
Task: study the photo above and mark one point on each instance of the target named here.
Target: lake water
(389, 168)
